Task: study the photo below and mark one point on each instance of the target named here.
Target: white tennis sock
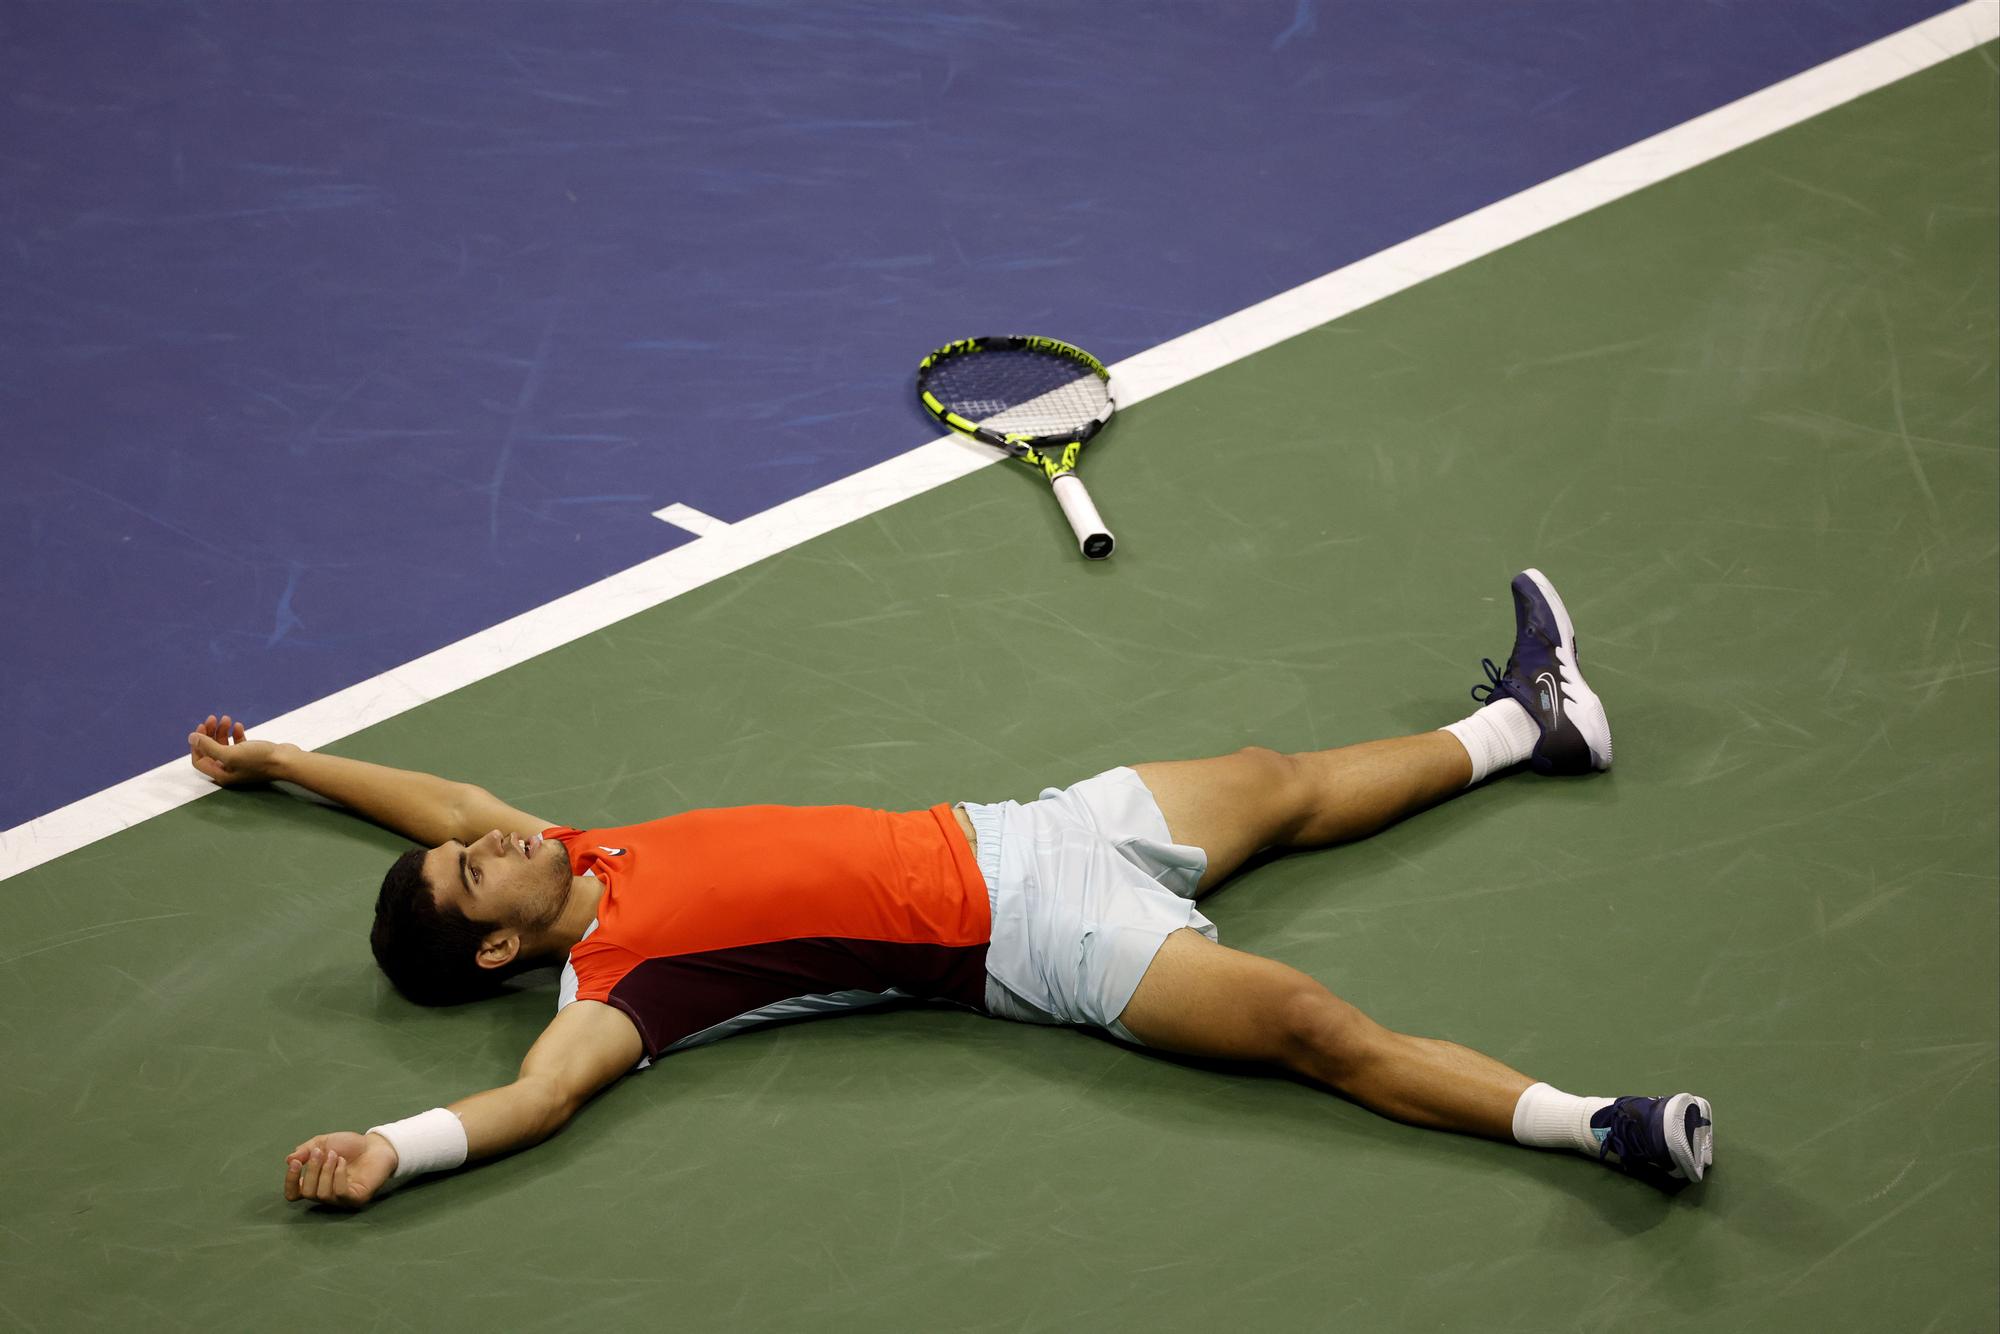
(1497, 736)
(1548, 1118)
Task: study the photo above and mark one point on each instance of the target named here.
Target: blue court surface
(331, 334)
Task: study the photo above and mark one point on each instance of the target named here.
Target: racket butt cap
(1091, 534)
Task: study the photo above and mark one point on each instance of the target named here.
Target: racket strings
(1019, 392)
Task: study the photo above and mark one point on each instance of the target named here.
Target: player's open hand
(343, 1169)
(222, 754)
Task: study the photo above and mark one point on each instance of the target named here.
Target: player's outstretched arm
(419, 806)
(589, 1045)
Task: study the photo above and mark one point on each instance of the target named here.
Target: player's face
(503, 879)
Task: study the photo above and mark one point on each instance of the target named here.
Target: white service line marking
(685, 516)
(731, 547)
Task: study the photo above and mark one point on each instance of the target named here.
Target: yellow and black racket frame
(1034, 450)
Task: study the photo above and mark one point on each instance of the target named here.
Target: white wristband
(432, 1141)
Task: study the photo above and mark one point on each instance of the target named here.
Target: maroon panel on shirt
(673, 997)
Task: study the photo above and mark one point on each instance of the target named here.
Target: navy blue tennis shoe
(1542, 674)
(1665, 1142)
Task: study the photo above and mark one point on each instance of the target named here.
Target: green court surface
(1745, 419)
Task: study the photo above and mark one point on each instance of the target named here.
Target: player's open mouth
(528, 846)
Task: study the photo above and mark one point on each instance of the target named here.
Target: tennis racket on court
(1039, 399)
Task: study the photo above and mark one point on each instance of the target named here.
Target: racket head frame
(1053, 455)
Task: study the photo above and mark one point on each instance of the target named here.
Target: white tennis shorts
(1085, 886)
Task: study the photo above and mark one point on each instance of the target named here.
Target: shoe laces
(1494, 677)
(1626, 1136)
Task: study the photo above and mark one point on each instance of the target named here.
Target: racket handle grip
(1091, 534)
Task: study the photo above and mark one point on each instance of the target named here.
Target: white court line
(690, 518)
(734, 546)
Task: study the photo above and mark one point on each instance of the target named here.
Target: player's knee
(1274, 764)
(1282, 783)
(1324, 1037)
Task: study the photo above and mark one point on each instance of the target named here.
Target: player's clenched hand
(342, 1169)
(221, 753)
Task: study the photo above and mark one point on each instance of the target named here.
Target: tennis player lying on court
(1078, 908)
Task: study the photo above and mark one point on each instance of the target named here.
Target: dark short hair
(430, 953)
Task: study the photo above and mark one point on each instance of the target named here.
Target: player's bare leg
(1234, 806)
(1204, 999)
(1538, 710)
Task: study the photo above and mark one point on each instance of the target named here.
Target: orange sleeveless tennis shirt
(715, 920)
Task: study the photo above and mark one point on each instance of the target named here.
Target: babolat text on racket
(1040, 399)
